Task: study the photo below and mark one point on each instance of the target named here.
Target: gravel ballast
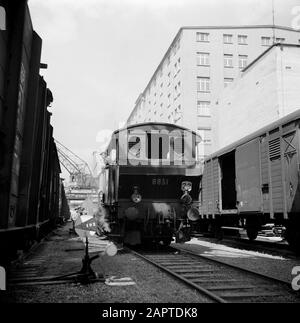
(54, 257)
(279, 267)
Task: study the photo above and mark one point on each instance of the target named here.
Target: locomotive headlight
(136, 196)
(186, 198)
(186, 186)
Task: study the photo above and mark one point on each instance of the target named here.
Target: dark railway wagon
(256, 181)
(150, 184)
(29, 166)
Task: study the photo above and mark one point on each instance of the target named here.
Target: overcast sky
(102, 53)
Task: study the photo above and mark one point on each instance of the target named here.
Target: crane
(79, 170)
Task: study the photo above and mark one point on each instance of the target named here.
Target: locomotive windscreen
(157, 186)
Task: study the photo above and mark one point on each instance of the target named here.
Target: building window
(178, 89)
(175, 48)
(242, 39)
(203, 59)
(2, 19)
(265, 41)
(177, 112)
(243, 61)
(203, 108)
(178, 64)
(227, 81)
(168, 60)
(203, 37)
(280, 40)
(228, 60)
(203, 84)
(205, 134)
(227, 38)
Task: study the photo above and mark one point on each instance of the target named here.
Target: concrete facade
(197, 66)
(267, 90)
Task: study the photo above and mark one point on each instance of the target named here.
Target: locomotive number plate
(160, 181)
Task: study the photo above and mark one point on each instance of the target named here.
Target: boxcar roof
(282, 121)
(153, 124)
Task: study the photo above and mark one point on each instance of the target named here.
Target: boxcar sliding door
(291, 168)
(248, 184)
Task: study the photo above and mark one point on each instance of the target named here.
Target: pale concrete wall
(265, 92)
(288, 75)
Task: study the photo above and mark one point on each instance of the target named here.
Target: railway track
(273, 248)
(221, 282)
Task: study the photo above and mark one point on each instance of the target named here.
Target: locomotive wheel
(167, 241)
(179, 236)
(293, 238)
(252, 232)
(147, 242)
(218, 233)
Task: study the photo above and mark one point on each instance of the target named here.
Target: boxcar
(150, 184)
(29, 165)
(255, 181)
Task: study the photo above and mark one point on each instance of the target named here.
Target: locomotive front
(150, 184)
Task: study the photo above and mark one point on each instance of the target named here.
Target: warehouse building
(266, 90)
(199, 63)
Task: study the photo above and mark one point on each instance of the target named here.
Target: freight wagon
(255, 181)
(30, 187)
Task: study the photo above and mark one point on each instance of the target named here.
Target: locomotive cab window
(227, 165)
(158, 146)
(177, 145)
(134, 146)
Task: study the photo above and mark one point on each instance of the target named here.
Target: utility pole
(273, 22)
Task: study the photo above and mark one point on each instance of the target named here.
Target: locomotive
(149, 186)
(255, 181)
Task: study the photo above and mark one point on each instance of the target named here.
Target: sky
(102, 53)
